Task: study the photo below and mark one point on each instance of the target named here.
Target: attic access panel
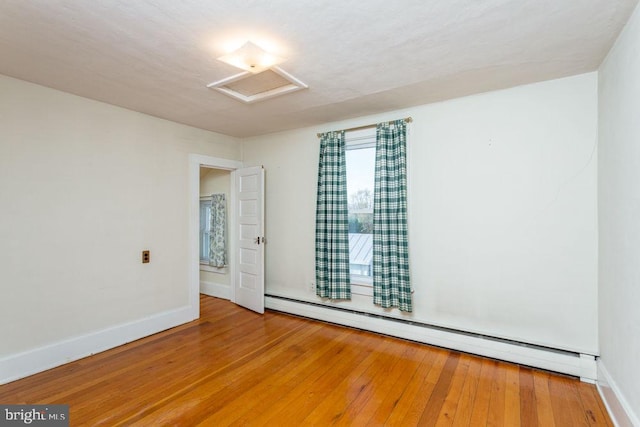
(248, 87)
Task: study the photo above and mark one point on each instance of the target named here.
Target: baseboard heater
(551, 359)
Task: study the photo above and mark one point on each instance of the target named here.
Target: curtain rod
(406, 119)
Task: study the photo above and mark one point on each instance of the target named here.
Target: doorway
(196, 162)
(215, 279)
(245, 266)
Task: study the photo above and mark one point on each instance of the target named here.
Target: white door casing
(196, 161)
(250, 241)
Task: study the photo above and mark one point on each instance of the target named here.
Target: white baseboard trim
(215, 290)
(580, 365)
(619, 409)
(20, 365)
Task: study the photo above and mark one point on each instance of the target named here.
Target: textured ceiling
(358, 58)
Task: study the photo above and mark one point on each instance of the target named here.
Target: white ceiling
(358, 57)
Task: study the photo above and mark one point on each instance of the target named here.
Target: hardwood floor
(235, 367)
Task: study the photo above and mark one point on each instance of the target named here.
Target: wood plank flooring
(235, 367)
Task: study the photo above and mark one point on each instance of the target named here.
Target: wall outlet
(146, 257)
(312, 286)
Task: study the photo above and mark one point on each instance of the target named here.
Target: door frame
(196, 161)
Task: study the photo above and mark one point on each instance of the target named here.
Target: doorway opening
(196, 163)
(245, 243)
(214, 278)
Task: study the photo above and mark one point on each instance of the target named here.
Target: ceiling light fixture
(251, 58)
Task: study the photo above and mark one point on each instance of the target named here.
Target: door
(249, 280)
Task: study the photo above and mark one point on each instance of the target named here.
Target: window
(347, 167)
(205, 221)
(360, 160)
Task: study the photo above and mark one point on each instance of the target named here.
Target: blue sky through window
(360, 170)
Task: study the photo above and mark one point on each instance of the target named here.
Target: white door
(249, 280)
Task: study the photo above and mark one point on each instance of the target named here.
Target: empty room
(316, 213)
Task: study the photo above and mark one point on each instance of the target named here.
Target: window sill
(365, 289)
(210, 269)
(360, 279)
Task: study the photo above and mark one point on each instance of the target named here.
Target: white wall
(85, 187)
(502, 205)
(619, 216)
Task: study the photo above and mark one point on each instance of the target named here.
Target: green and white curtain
(217, 230)
(391, 282)
(332, 220)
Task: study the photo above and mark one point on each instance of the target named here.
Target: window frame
(203, 261)
(356, 140)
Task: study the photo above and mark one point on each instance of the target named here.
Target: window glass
(205, 221)
(360, 160)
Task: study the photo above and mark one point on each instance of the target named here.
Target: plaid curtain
(332, 220)
(391, 283)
